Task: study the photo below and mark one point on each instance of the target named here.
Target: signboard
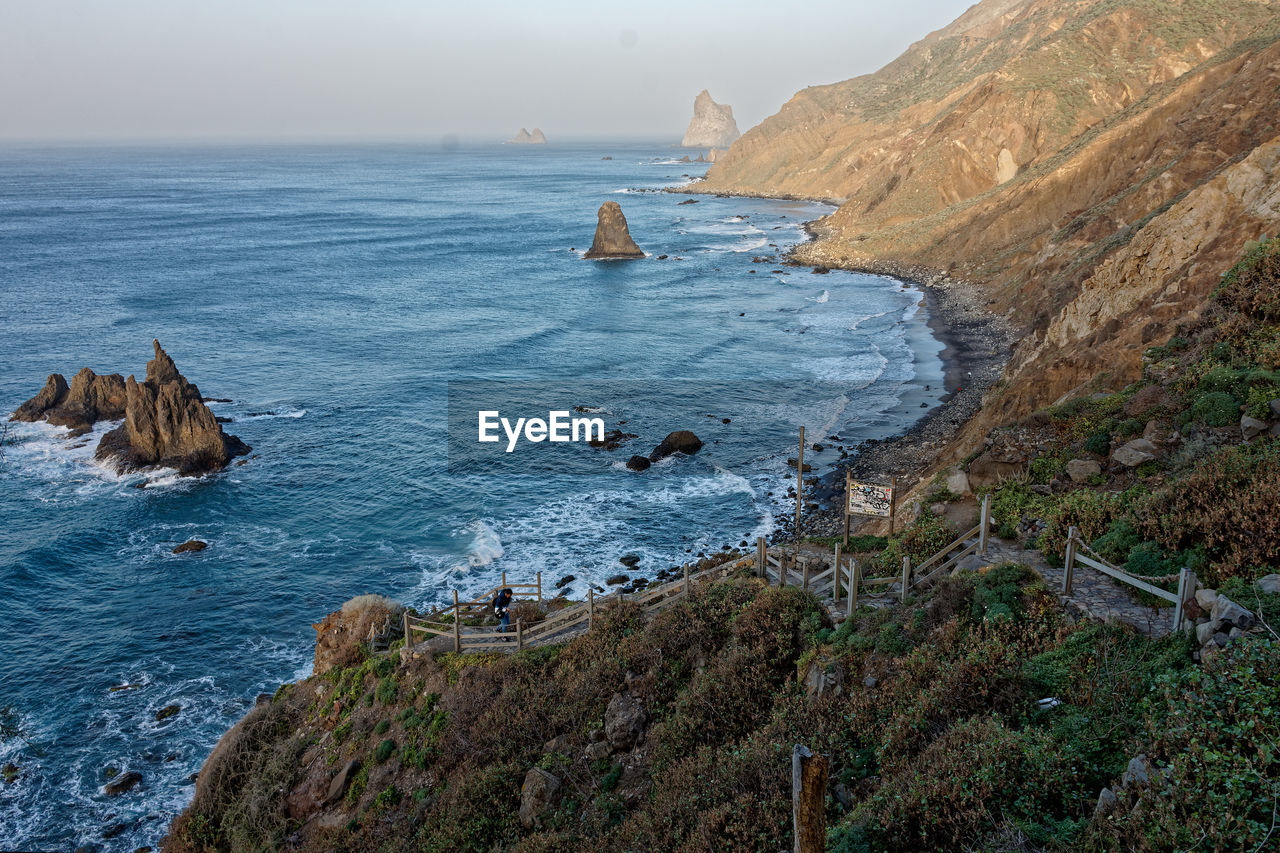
(870, 499)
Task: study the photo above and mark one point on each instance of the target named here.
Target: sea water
(332, 293)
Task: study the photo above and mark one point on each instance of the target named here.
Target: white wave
(821, 300)
(279, 412)
(866, 319)
(486, 545)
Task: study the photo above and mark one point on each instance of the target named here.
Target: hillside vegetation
(676, 735)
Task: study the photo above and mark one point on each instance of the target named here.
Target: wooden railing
(845, 576)
(1187, 580)
(554, 628)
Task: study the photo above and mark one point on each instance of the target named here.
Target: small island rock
(613, 239)
(712, 125)
(680, 441)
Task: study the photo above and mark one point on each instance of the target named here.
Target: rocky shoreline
(977, 345)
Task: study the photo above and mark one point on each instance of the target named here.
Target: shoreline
(976, 347)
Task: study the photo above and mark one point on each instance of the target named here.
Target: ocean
(332, 293)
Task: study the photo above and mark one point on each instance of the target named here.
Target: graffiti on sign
(870, 499)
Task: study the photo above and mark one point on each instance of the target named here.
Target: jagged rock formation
(89, 398)
(712, 125)
(524, 137)
(166, 423)
(1095, 210)
(613, 239)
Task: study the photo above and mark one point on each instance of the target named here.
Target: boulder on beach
(712, 125)
(680, 441)
(166, 423)
(613, 239)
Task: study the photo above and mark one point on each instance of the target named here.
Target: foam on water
(340, 290)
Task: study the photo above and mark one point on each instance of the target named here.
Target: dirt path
(1092, 593)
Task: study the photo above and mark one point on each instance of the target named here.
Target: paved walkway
(1092, 593)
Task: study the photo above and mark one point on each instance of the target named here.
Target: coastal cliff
(1091, 168)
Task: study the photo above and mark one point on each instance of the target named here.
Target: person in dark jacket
(502, 608)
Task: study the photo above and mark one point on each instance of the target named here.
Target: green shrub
(381, 727)
(1214, 731)
(1260, 397)
(1252, 286)
(1099, 443)
(384, 750)
(1092, 512)
(1045, 469)
(387, 689)
(1216, 409)
(1225, 505)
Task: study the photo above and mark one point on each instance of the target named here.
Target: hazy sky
(417, 69)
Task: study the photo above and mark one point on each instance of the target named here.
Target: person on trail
(502, 608)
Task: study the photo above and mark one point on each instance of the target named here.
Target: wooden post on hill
(762, 556)
(804, 573)
(848, 485)
(835, 577)
(457, 624)
(809, 799)
(985, 521)
(519, 634)
(408, 637)
(591, 608)
(906, 576)
(893, 503)
(799, 484)
(855, 577)
(1069, 562)
(686, 582)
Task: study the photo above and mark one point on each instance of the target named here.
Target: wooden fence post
(686, 581)
(1069, 561)
(809, 799)
(591, 608)
(799, 484)
(408, 638)
(855, 577)
(519, 635)
(804, 573)
(457, 624)
(1187, 582)
(893, 503)
(539, 587)
(906, 576)
(762, 556)
(835, 577)
(986, 524)
(848, 480)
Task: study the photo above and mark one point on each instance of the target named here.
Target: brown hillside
(1092, 165)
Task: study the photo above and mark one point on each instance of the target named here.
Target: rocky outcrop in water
(88, 399)
(613, 239)
(712, 125)
(166, 423)
(524, 137)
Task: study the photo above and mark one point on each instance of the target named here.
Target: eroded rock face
(166, 423)
(712, 125)
(613, 239)
(624, 722)
(537, 794)
(88, 399)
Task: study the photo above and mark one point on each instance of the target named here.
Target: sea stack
(613, 240)
(166, 423)
(524, 137)
(712, 125)
(89, 398)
